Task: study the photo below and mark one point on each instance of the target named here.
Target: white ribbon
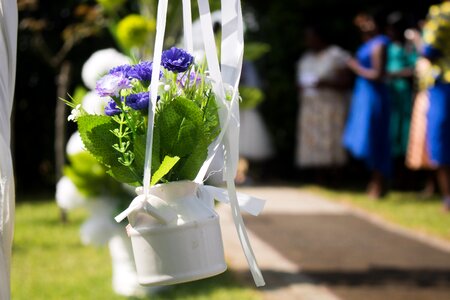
(247, 203)
(187, 26)
(159, 41)
(163, 212)
(232, 55)
(228, 139)
(151, 204)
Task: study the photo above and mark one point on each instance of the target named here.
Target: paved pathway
(313, 249)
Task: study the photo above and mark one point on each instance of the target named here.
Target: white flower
(75, 113)
(93, 104)
(166, 87)
(75, 144)
(67, 195)
(99, 63)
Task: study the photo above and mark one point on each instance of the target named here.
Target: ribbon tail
(120, 217)
(247, 203)
(250, 204)
(242, 234)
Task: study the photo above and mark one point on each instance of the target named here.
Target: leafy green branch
(123, 146)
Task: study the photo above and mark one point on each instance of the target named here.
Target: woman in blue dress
(436, 36)
(366, 135)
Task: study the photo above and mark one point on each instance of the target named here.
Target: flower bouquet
(175, 231)
(186, 120)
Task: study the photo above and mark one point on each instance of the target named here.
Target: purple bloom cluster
(142, 71)
(138, 101)
(119, 78)
(176, 60)
(111, 109)
(112, 84)
(125, 69)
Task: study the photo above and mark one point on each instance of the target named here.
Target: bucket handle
(151, 205)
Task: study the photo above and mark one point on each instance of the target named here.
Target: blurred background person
(436, 49)
(417, 157)
(401, 59)
(323, 81)
(366, 134)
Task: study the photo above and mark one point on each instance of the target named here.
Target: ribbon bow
(162, 211)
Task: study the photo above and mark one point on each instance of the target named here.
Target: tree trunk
(63, 81)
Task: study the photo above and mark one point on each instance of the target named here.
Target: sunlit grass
(403, 208)
(49, 262)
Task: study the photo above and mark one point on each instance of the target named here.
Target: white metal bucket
(186, 249)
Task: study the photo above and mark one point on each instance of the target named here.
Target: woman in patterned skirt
(322, 80)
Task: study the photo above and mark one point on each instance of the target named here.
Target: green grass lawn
(49, 262)
(403, 208)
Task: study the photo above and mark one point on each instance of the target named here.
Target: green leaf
(179, 122)
(125, 175)
(97, 136)
(156, 149)
(167, 164)
(190, 166)
(186, 128)
(211, 118)
(139, 151)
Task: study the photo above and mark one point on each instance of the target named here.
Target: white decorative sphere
(67, 195)
(75, 144)
(99, 63)
(93, 104)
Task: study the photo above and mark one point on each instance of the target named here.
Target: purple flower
(176, 60)
(138, 101)
(111, 109)
(112, 84)
(194, 79)
(125, 69)
(142, 71)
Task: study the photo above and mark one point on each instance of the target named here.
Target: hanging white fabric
(159, 42)
(8, 44)
(187, 26)
(232, 55)
(223, 81)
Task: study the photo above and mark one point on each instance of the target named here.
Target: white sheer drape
(8, 44)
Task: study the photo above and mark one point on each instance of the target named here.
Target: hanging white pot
(176, 235)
